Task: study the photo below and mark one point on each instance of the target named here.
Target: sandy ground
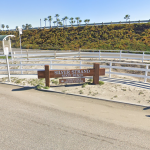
(110, 91)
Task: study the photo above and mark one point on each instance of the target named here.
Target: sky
(17, 12)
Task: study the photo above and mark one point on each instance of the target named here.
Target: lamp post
(20, 32)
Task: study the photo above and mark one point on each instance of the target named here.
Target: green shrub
(101, 82)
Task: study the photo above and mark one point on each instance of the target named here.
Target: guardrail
(101, 54)
(89, 24)
(109, 66)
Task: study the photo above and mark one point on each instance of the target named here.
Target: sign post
(80, 73)
(6, 52)
(20, 32)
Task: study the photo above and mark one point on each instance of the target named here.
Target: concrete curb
(54, 91)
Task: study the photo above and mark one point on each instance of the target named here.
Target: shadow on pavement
(147, 115)
(23, 89)
(146, 108)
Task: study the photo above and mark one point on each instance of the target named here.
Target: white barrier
(101, 54)
(81, 63)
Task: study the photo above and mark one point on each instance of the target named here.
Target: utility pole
(40, 23)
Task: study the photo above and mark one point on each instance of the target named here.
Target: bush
(101, 82)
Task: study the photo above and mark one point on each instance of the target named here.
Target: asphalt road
(36, 120)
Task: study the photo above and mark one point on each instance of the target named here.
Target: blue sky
(17, 12)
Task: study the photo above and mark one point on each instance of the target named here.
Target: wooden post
(47, 75)
(96, 73)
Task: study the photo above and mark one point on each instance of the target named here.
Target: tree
(127, 17)
(54, 22)
(23, 26)
(72, 21)
(57, 15)
(3, 26)
(27, 26)
(85, 21)
(58, 20)
(80, 22)
(66, 18)
(63, 19)
(7, 26)
(88, 20)
(16, 28)
(45, 19)
(50, 20)
(77, 18)
(60, 23)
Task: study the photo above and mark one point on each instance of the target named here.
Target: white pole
(7, 62)
(143, 57)
(20, 44)
(146, 72)
(8, 70)
(80, 64)
(99, 54)
(120, 54)
(110, 69)
(51, 64)
(10, 49)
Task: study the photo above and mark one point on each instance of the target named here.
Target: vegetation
(111, 37)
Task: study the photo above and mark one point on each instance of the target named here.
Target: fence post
(80, 64)
(51, 64)
(21, 67)
(99, 55)
(146, 72)
(96, 73)
(14, 55)
(110, 65)
(143, 57)
(79, 53)
(27, 55)
(55, 54)
(47, 75)
(120, 54)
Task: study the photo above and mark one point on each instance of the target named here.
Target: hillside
(111, 37)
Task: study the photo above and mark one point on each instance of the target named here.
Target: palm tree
(16, 28)
(85, 21)
(71, 21)
(54, 22)
(7, 26)
(77, 18)
(29, 26)
(63, 19)
(127, 17)
(58, 20)
(3, 26)
(23, 26)
(66, 19)
(45, 19)
(50, 20)
(60, 23)
(80, 22)
(57, 15)
(88, 20)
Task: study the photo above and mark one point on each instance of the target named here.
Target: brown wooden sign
(71, 80)
(95, 72)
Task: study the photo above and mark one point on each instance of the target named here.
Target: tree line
(59, 22)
